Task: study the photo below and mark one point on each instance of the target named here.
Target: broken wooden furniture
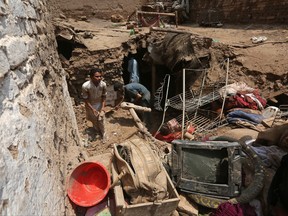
(132, 107)
(145, 187)
(157, 15)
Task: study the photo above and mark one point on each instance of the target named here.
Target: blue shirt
(132, 89)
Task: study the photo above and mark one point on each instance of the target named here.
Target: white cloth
(232, 89)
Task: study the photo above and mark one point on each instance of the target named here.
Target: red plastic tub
(88, 184)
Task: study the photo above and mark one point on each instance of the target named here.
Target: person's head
(96, 75)
(118, 87)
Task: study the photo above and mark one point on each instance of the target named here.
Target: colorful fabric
(228, 209)
(236, 115)
(246, 100)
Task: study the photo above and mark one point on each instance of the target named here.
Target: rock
(117, 18)
(175, 213)
(83, 18)
(62, 16)
(187, 207)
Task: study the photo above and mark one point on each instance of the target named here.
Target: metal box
(209, 168)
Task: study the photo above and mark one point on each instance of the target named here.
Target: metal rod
(226, 82)
(156, 13)
(183, 110)
(165, 105)
(200, 94)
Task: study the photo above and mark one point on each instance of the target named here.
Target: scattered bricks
(4, 64)
(16, 51)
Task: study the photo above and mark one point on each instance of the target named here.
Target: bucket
(88, 184)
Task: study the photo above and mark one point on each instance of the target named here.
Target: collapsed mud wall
(81, 63)
(243, 11)
(37, 121)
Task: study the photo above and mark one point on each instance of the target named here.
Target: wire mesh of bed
(194, 115)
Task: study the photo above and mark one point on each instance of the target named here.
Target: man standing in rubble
(94, 93)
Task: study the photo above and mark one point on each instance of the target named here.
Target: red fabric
(168, 138)
(172, 136)
(240, 100)
(228, 209)
(248, 210)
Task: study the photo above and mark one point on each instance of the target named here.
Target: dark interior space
(278, 100)
(65, 47)
(146, 75)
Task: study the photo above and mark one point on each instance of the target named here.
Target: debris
(259, 39)
(186, 206)
(117, 18)
(83, 18)
(62, 16)
(148, 184)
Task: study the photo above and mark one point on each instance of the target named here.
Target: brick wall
(242, 11)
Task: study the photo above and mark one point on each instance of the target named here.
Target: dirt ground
(267, 61)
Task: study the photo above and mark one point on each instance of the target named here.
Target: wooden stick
(169, 30)
(127, 105)
(137, 120)
(156, 13)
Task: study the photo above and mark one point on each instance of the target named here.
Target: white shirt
(94, 93)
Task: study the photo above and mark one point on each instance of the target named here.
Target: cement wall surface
(37, 121)
(242, 11)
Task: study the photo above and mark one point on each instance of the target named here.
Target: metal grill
(202, 120)
(192, 101)
(281, 115)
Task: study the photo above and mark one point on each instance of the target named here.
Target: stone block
(16, 51)
(30, 12)
(4, 64)
(20, 78)
(3, 9)
(29, 28)
(17, 8)
(40, 27)
(31, 46)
